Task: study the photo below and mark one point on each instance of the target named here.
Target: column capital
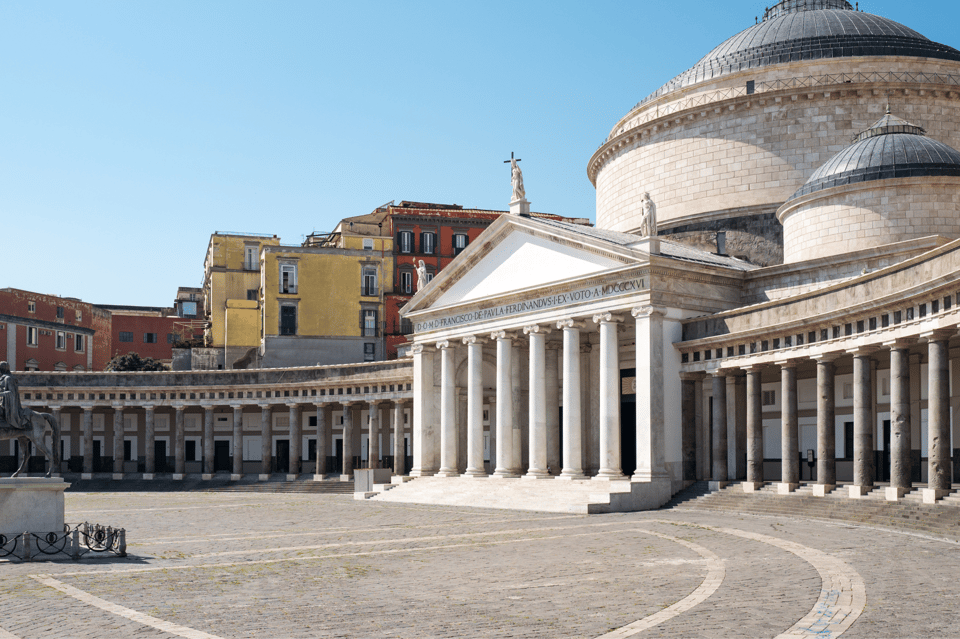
(208, 406)
(347, 403)
(292, 404)
(753, 368)
(321, 404)
(607, 318)
(647, 311)
(236, 406)
(149, 407)
(471, 340)
(825, 358)
(900, 343)
(692, 377)
(786, 363)
(570, 323)
(536, 329)
(938, 335)
(863, 351)
(444, 344)
(417, 349)
(501, 335)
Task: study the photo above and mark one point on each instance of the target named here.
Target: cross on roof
(511, 158)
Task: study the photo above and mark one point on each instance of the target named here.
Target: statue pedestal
(31, 504)
(648, 244)
(520, 207)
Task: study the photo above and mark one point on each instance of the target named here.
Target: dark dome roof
(795, 30)
(891, 148)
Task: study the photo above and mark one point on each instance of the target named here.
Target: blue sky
(131, 131)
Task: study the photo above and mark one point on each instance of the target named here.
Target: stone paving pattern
(293, 565)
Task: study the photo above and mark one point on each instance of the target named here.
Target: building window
(59, 312)
(33, 336)
(288, 279)
(369, 352)
(60, 367)
(170, 338)
(250, 261)
(31, 365)
(428, 243)
(61, 341)
(149, 338)
(253, 295)
(459, 243)
(405, 241)
(31, 307)
(406, 282)
(369, 284)
(126, 336)
(367, 244)
(79, 316)
(770, 398)
(368, 322)
(78, 343)
(288, 320)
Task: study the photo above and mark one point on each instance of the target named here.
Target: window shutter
(361, 321)
(422, 245)
(376, 324)
(397, 246)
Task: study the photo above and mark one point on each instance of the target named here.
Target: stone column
(863, 426)
(295, 427)
(474, 407)
(56, 470)
(553, 406)
(826, 426)
(754, 430)
(900, 463)
(516, 445)
(504, 406)
(651, 442)
(179, 450)
(398, 447)
(346, 473)
(704, 438)
(448, 411)
(424, 439)
(790, 429)
(323, 437)
(720, 475)
(266, 442)
(609, 397)
(537, 465)
(939, 469)
(688, 425)
(208, 447)
(237, 441)
(117, 441)
(572, 417)
(373, 436)
(87, 443)
(150, 438)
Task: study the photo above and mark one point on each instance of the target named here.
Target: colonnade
(939, 468)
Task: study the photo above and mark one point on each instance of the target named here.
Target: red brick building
(434, 233)
(48, 333)
(147, 331)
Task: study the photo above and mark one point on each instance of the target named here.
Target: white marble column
(552, 376)
(150, 437)
(516, 445)
(901, 479)
(474, 407)
(295, 431)
(87, 443)
(826, 425)
(399, 460)
(448, 411)
(323, 437)
(237, 441)
(650, 388)
(504, 408)
(939, 468)
(266, 442)
(537, 466)
(754, 430)
(572, 417)
(790, 429)
(117, 441)
(492, 426)
(610, 467)
(208, 447)
(863, 425)
(424, 440)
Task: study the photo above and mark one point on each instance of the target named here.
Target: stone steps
(942, 519)
(217, 484)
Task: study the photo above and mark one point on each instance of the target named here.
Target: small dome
(795, 30)
(891, 148)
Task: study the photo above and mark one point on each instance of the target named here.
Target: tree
(133, 362)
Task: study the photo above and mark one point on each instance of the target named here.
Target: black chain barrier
(75, 541)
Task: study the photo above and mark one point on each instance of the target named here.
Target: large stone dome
(795, 30)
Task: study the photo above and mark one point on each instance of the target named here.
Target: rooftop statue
(648, 217)
(421, 275)
(516, 179)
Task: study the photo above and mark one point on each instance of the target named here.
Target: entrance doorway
(883, 456)
(282, 456)
(160, 455)
(628, 421)
(221, 456)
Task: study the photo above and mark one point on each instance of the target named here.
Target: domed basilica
(770, 294)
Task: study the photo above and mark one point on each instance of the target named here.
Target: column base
(319, 477)
(858, 492)
(933, 495)
(118, 475)
(822, 490)
(447, 473)
(206, 476)
(570, 475)
(503, 474)
(236, 477)
(785, 488)
(895, 494)
(422, 473)
(147, 476)
(537, 474)
(292, 477)
(751, 486)
(608, 474)
(714, 486)
(263, 477)
(346, 477)
(86, 475)
(474, 474)
(177, 477)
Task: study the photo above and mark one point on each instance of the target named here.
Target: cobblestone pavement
(280, 565)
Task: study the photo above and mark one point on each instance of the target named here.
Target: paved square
(268, 565)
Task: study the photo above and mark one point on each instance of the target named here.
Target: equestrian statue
(25, 425)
